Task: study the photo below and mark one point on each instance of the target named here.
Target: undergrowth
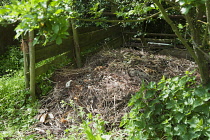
(11, 61)
(16, 109)
(14, 116)
(175, 108)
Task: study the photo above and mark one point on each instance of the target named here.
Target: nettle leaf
(197, 102)
(152, 85)
(171, 104)
(200, 92)
(180, 129)
(168, 129)
(174, 104)
(189, 101)
(196, 123)
(165, 94)
(178, 117)
(149, 94)
(204, 109)
(158, 109)
(175, 79)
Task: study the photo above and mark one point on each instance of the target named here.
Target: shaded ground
(104, 86)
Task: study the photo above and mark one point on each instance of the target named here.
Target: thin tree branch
(122, 21)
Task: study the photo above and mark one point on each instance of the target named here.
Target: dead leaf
(43, 118)
(62, 120)
(40, 130)
(51, 116)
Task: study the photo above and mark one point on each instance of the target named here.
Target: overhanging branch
(122, 21)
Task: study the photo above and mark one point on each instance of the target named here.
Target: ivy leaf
(149, 94)
(178, 117)
(180, 129)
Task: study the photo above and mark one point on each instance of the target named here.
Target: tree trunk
(174, 28)
(32, 65)
(208, 18)
(196, 53)
(195, 29)
(76, 44)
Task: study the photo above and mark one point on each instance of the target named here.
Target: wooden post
(76, 44)
(32, 65)
(25, 49)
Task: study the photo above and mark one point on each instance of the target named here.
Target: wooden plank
(113, 43)
(152, 34)
(86, 39)
(96, 36)
(54, 49)
(82, 30)
(161, 34)
(44, 68)
(154, 40)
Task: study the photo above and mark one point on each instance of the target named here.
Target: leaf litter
(103, 86)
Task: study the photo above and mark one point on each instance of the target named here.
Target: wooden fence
(87, 40)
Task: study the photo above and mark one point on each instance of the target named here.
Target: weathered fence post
(32, 65)
(76, 44)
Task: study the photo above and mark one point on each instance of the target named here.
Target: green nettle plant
(174, 108)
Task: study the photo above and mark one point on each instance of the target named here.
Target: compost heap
(103, 86)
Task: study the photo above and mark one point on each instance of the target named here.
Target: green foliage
(51, 18)
(14, 115)
(11, 61)
(186, 5)
(174, 108)
(133, 9)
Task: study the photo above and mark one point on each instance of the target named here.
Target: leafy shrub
(11, 61)
(174, 108)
